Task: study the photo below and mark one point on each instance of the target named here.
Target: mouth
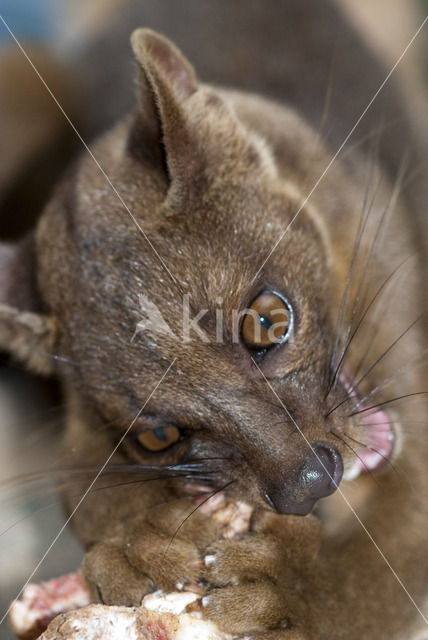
(376, 436)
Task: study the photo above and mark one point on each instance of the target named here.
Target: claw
(210, 560)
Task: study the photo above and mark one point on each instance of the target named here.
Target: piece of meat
(160, 617)
(234, 517)
(40, 603)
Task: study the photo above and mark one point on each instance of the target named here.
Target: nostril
(317, 477)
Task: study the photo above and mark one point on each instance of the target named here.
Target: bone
(160, 617)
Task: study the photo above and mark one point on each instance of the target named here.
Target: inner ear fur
(161, 133)
(26, 331)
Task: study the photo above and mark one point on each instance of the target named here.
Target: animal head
(155, 250)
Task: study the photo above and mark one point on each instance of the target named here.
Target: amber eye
(267, 321)
(158, 439)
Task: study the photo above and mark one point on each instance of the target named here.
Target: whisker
(394, 375)
(385, 353)
(377, 323)
(355, 386)
(211, 495)
(364, 215)
(394, 196)
(369, 471)
(387, 460)
(382, 404)
(328, 93)
(199, 478)
(378, 131)
(379, 291)
(384, 216)
(375, 424)
(96, 489)
(359, 292)
(111, 469)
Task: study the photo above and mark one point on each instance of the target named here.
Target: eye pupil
(160, 434)
(159, 439)
(267, 321)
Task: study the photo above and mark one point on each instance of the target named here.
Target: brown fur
(214, 176)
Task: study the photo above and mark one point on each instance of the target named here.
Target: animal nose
(317, 477)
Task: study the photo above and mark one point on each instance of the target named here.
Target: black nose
(317, 477)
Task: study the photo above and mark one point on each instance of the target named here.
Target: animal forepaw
(110, 577)
(248, 560)
(298, 536)
(256, 583)
(245, 609)
(160, 550)
(166, 545)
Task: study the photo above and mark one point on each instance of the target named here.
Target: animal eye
(158, 439)
(267, 322)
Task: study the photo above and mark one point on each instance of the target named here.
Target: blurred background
(36, 145)
(92, 78)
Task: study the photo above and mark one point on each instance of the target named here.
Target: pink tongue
(40, 603)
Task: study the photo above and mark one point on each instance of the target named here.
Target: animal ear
(167, 80)
(25, 331)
